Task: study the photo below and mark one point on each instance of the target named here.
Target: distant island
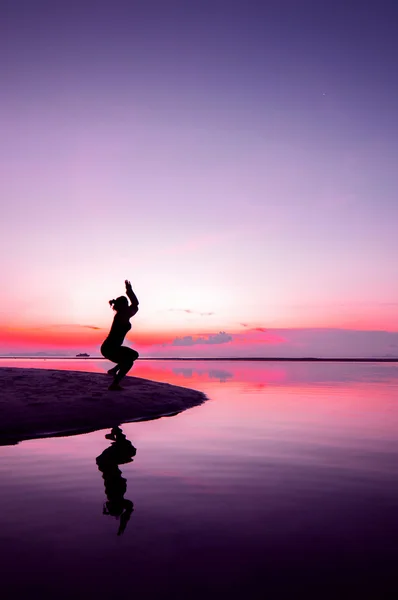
(82, 355)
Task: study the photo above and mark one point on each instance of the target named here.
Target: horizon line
(207, 358)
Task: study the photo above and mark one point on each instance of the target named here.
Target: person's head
(119, 304)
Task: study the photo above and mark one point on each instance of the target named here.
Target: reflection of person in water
(120, 452)
(112, 347)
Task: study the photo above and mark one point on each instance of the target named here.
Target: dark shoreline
(39, 403)
(246, 359)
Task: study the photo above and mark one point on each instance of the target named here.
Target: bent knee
(133, 354)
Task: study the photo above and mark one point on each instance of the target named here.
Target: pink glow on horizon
(243, 342)
(70, 336)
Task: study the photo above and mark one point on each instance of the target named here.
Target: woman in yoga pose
(112, 348)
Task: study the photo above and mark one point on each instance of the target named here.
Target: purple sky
(232, 158)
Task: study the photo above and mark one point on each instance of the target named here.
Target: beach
(41, 403)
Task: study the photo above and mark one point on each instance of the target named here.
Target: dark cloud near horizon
(189, 340)
(191, 312)
(261, 329)
(70, 325)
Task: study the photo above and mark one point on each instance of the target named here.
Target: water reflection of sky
(287, 475)
(328, 399)
(246, 372)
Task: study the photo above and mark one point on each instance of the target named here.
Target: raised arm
(131, 296)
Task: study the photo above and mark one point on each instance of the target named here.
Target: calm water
(283, 483)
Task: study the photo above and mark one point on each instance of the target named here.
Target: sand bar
(41, 403)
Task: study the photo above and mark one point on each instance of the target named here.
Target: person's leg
(126, 358)
(114, 370)
(112, 355)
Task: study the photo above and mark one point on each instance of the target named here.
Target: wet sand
(40, 403)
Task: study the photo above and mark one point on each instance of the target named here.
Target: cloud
(261, 329)
(67, 326)
(189, 340)
(263, 335)
(283, 343)
(191, 312)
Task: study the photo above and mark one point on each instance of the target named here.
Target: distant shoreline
(236, 359)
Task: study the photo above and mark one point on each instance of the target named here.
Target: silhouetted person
(112, 347)
(119, 452)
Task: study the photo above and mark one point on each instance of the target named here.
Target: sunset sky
(235, 160)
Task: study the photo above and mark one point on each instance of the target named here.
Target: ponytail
(119, 303)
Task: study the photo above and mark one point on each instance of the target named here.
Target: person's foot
(115, 387)
(113, 371)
